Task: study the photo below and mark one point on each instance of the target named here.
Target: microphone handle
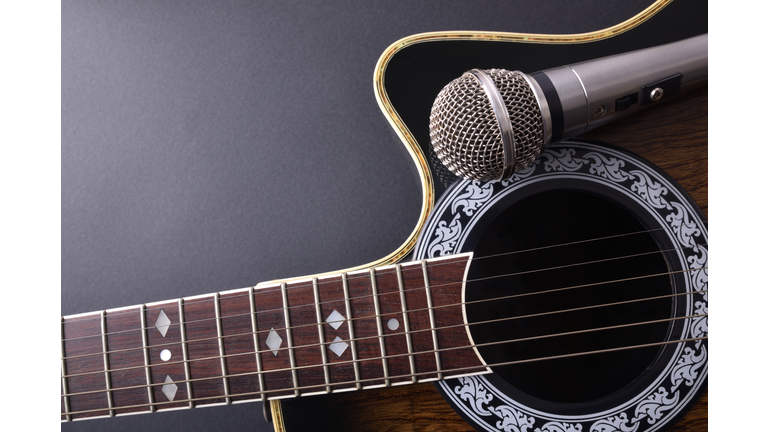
(582, 96)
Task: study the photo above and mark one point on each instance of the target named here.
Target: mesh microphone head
(465, 132)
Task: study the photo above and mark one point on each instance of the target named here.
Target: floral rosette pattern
(683, 375)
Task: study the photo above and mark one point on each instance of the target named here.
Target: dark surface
(211, 146)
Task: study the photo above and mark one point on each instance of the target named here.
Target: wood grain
(671, 135)
(109, 369)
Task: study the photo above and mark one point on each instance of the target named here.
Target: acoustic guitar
(673, 136)
(390, 328)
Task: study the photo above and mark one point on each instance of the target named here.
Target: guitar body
(661, 135)
(672, 135)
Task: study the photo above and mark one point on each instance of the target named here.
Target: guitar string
(394, 313)
(544, 336)
(315, 345)
(305, 284)
(398, 313)
(367, 276)
(414, 289)
(471, 370)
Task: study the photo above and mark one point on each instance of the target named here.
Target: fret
(203, 348)
(220, 340)
(239, 345)
(428, 293)
(351, 329)
(64, 387)
(185, 352)
(270, 319)
(368, 342)
(391, 321)
(422, 344)
(302, 319)
(406, 324)
(335, 330)
(377, 311)
(255, 327)
(165, 350)
(124, 349)
(321, 336)
(83, 349)
(289, 337)
(145, 352)
(105, 356)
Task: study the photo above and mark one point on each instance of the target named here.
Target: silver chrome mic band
(502, 116)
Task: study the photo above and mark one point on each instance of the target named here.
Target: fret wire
(289, 338)
(185, 352)
(246, 394)
(406, 323)
(257, 352)
(433, 264)
(147, 373)
(107, 379)
(350, 327)
(377, 311)
(223, 359)
(470, 346)
(428, 293)
(521, 251)
(455, 325)
(64, 386)
(321, 335)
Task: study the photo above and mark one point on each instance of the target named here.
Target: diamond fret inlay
(335, 319)
(162, 323)
(169, 389)
(338, 346)
(274, 341)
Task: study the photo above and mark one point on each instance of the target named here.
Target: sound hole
(554, 218)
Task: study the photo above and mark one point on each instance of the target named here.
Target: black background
(208, 146)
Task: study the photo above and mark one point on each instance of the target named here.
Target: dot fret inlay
(165, 355)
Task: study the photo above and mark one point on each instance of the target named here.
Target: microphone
(489, 124)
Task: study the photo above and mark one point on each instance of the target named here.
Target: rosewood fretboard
(388, 326)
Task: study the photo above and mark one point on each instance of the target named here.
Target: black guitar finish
(185, 170)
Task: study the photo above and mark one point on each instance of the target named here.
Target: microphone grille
(465, 133)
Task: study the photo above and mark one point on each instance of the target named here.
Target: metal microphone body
(486, 125)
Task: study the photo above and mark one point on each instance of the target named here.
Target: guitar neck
(366, 329)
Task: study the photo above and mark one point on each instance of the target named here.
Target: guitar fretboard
(387, 326)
